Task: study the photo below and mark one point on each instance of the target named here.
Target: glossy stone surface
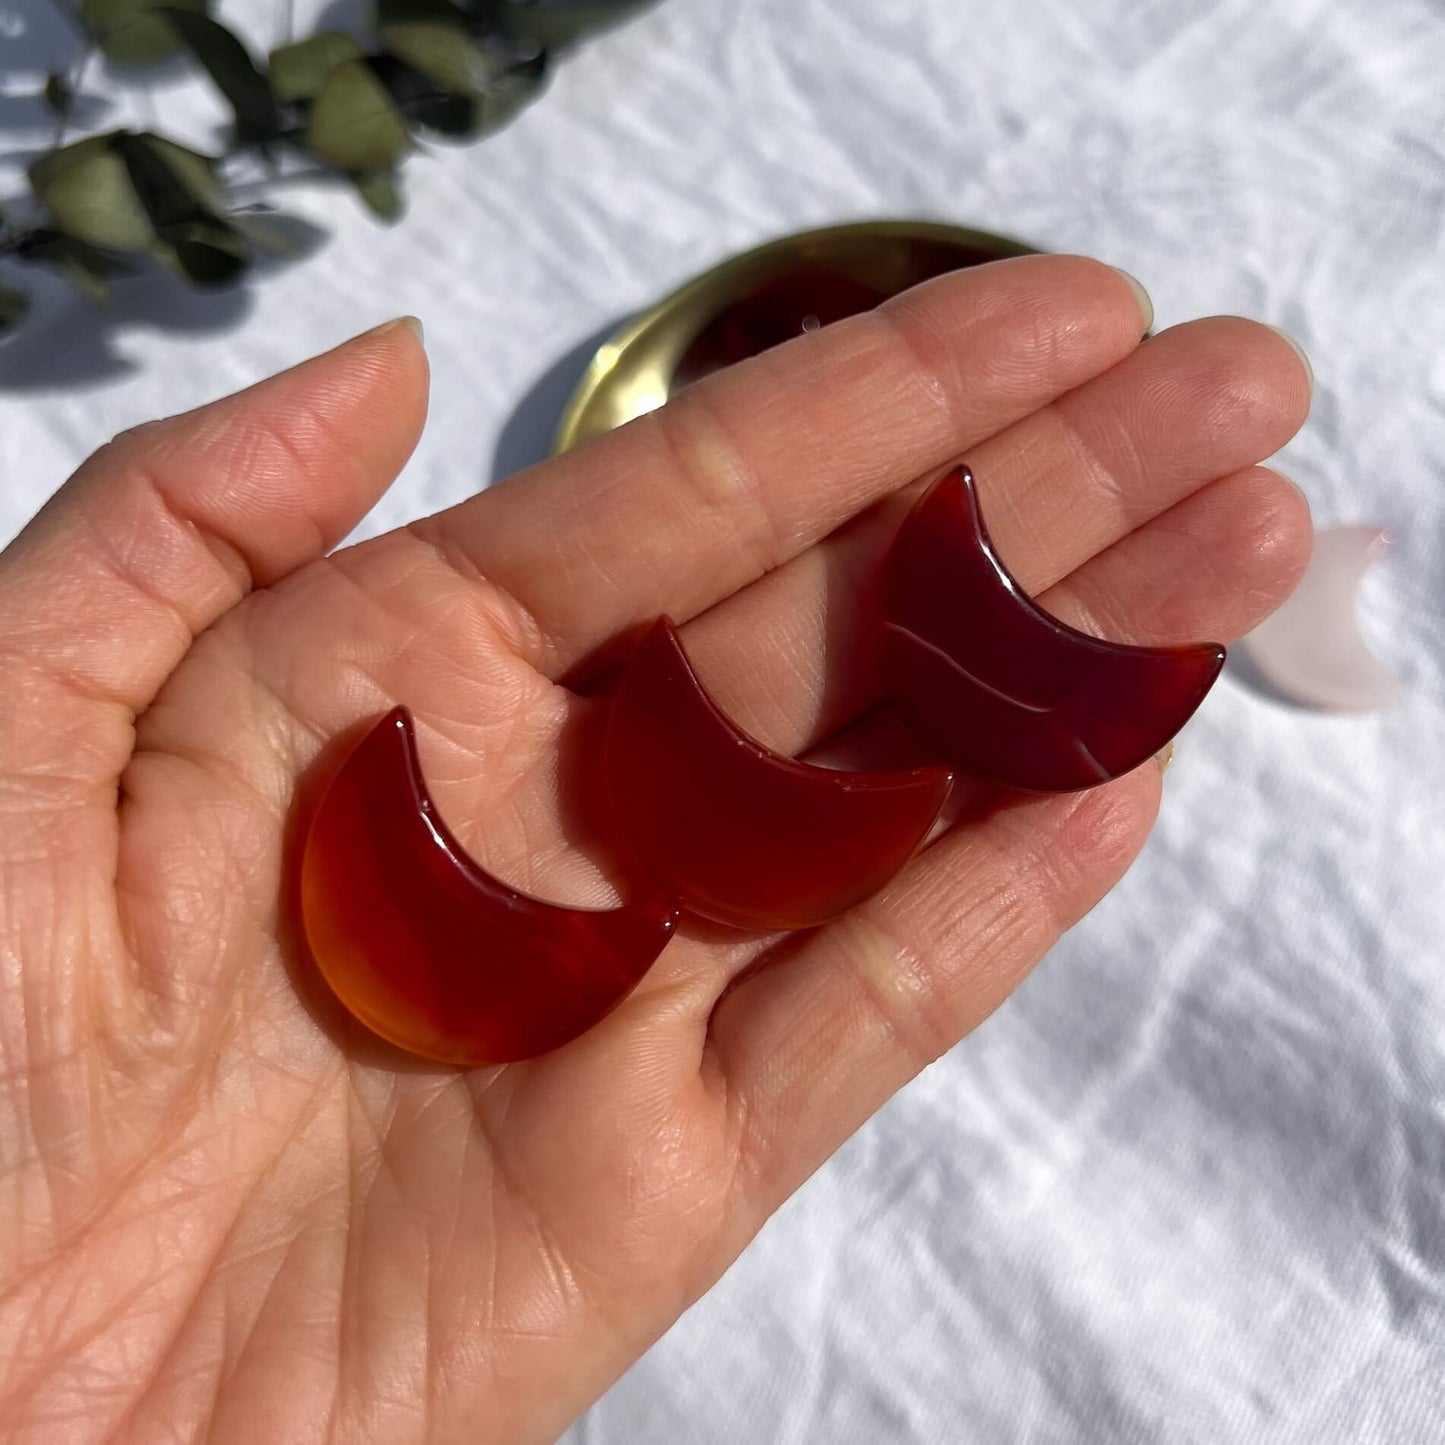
(772, 312)
(740, 834)
(430, 950)
(1003, 691)
(826, 281)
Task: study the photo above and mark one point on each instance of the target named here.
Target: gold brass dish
(757, 299)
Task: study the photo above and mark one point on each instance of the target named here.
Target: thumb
(169, 526)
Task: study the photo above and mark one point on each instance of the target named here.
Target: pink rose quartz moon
(1311, 650)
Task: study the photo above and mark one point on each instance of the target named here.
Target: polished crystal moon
(1311, 650)
(431, 951)
(741, 834)
(1004, 692)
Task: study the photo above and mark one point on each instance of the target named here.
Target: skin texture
(227, 1211)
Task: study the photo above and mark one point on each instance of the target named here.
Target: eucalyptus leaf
(195, 171)
(422, 12)
(381, 194)
(52, 163)
(280, 235)
(164, 192)
(205, 253)
(87, 188)
(229, 64)
(355, 124)
(299, 71)
(456, 62)
(544, 27)
(14, 303)
(58, 94)
(457, 67)
(192, 241)
(422, 101)
(131, 32)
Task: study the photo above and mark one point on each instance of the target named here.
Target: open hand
(227, 1210)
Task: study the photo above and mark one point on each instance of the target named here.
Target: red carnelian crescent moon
(742, 835)
(1005, 692)
(432, 952)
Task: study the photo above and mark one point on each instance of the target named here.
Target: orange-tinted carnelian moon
(1006, 693)
(742, 835)
(432, 952)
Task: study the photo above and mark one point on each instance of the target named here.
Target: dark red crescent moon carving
(742, 835)
(1005, 692)
(432, 952)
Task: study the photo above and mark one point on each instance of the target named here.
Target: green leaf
(380, 193)
(130, 32)
(421, 12)
(193, 170)
(194, 242)
(228, 64)
(164, 192)
(278, 237)
(206, 253)
(50, 165)
(58, 94)
(87, 188)
(456, 62)
(354, 123)
(14, 303)
(299, 71)
(422, 101)
(546, 27)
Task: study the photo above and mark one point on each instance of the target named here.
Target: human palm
(231, 1212)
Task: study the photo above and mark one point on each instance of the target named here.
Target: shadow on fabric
(526, 435)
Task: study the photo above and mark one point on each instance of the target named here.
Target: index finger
(746, 469)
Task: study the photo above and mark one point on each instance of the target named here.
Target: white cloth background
(1189, 1186)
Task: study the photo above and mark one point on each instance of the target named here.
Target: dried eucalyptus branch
(103, 205)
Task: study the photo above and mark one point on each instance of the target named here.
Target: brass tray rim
(638, 329)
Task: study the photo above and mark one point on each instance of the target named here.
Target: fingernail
(1146, 306)
(1165, 756)
(1299, 351)
(411, 323)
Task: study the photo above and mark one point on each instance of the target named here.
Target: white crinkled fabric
(1189, 1185)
